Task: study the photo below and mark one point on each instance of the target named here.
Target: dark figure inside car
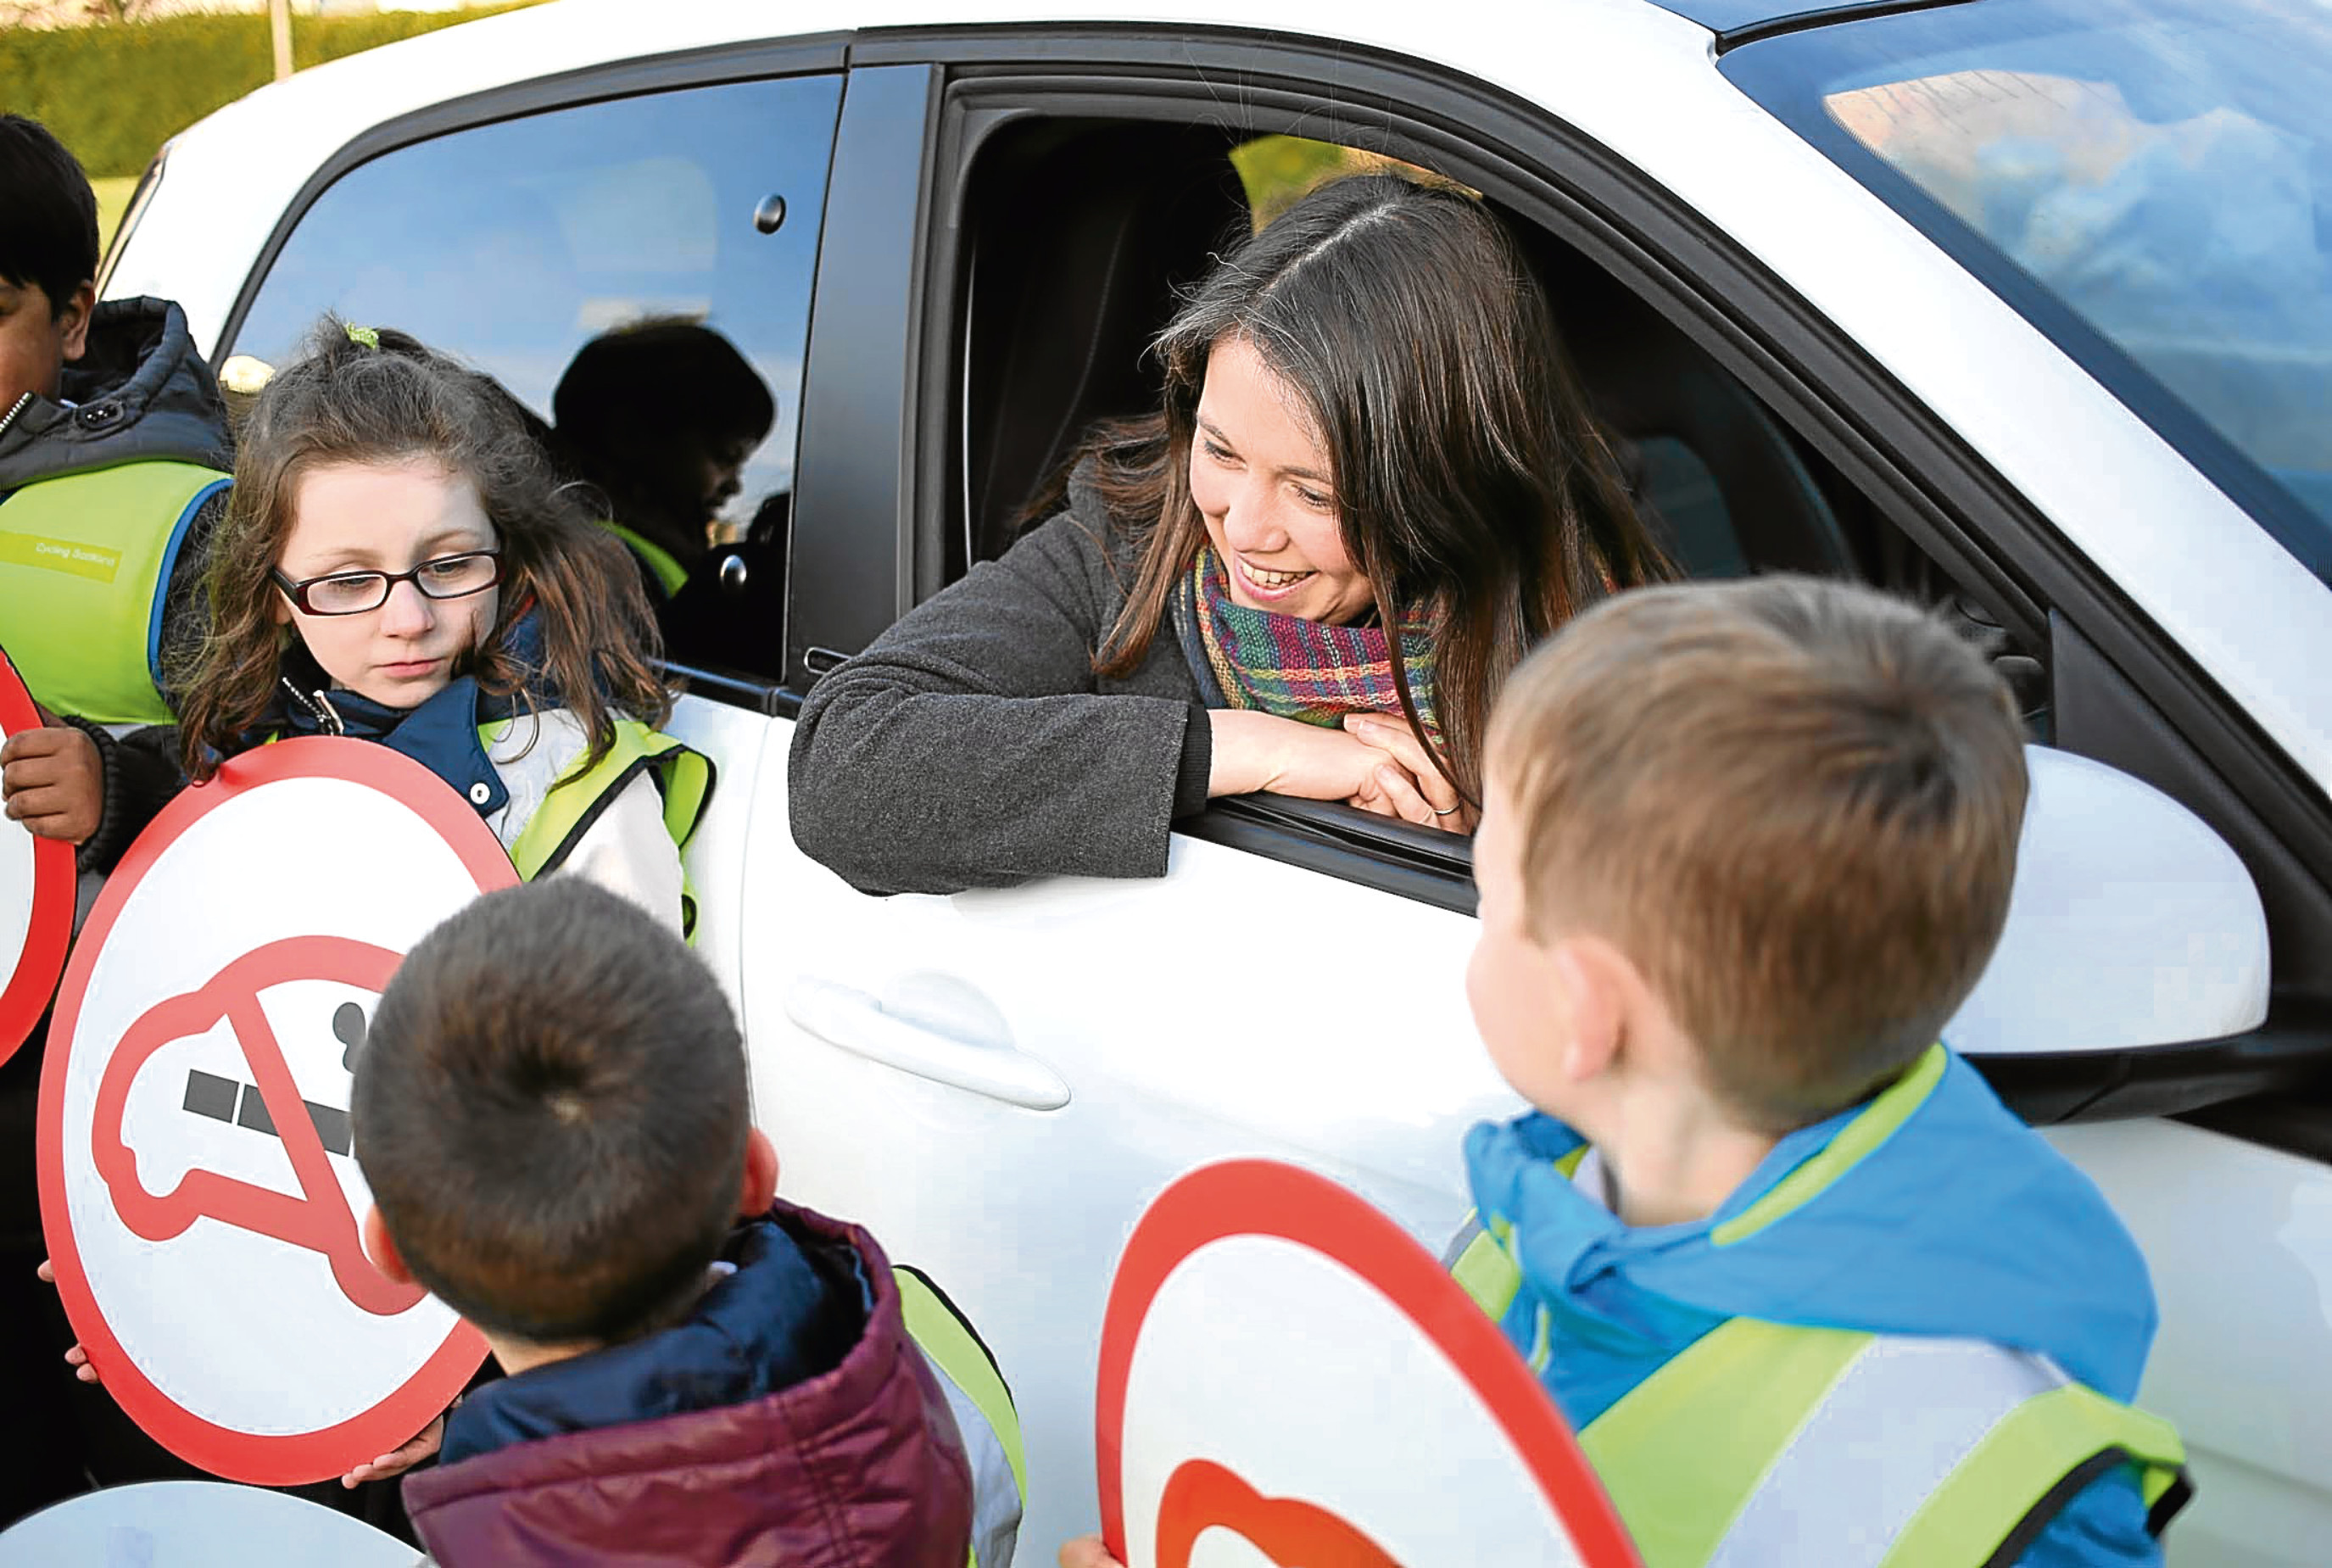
(1369, 440)
(661, 416)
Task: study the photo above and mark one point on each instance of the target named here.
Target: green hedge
(115, 92)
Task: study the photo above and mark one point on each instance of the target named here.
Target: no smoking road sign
(1287, 1378)
(36, 895)
(198, 1191)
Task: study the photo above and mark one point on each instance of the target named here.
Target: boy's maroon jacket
(645, 1453)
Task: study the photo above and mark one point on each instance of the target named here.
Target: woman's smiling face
(1260, 477)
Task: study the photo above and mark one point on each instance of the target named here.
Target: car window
(653, 254)
(2160, 173)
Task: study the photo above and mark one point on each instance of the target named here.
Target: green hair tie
(364, 334)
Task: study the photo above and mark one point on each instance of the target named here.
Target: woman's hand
(1255, 750)
(54, 783)
(1408, 786)
(1088, 1552)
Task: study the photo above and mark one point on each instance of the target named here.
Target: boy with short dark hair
(113, 453)
(551, 1110)
(1807, 1290)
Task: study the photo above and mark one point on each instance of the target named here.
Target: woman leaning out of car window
(1368, 433)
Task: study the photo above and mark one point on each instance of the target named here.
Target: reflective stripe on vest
(669, 574)
(85, 563)
(1765, 1443)
(683, 777)
(982, 1406)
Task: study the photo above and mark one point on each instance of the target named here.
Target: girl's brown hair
(1468, 475)
(389, 399)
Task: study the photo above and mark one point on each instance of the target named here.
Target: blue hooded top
(1929, 1210)
(441, 733)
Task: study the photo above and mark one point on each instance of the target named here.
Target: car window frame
(1925, 481)
(1924, 477)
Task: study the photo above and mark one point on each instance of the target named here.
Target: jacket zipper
(10, 418)
(319, 706)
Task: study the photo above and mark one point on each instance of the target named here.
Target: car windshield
(2148, 181)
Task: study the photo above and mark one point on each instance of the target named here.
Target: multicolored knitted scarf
(1295, 668)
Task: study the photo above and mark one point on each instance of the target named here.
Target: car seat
(1718, 475)
(1086, 230)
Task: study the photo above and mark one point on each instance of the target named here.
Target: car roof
(1737, 21)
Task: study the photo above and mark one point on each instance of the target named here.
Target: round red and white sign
(36, 895)
(1287, 1378)
(198, 1193)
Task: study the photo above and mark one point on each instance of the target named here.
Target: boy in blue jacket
(1807, 1291)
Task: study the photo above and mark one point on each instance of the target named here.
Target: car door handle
(934, 1027)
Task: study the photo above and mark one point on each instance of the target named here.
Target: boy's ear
(1594, 978)
(759, 1188)
(74, 319)
(382, 1250)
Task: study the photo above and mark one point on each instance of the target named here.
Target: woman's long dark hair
(1469, 476)
(346, 401)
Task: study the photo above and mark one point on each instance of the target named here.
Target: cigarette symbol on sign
(318, 1220)
(228, 1100)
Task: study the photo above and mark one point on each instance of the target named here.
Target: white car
(2021, 306)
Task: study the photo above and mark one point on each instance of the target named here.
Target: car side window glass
(636, 272)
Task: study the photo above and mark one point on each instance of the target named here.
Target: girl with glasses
(399, 564)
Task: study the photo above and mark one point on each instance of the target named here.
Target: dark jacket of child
(141, 398)
(140, 393)
(789, 1419)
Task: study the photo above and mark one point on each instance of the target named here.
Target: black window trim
(1922, 475)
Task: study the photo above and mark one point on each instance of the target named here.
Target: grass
(112, 196)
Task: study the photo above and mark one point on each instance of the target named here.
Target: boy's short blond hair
(1793, 803)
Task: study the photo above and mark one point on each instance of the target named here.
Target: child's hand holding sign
(52, 781)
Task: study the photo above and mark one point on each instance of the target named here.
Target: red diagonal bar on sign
(320, 1219)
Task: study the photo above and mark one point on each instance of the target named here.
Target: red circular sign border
(270, 1461)
(33, 980)
(1269, 1198)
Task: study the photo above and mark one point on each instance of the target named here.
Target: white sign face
(1287, 1378)
(36, 895)
(198, 1524)
(197, 1188)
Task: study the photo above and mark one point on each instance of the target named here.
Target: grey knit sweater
(972, 745)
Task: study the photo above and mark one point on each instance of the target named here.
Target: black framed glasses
(351, 593)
